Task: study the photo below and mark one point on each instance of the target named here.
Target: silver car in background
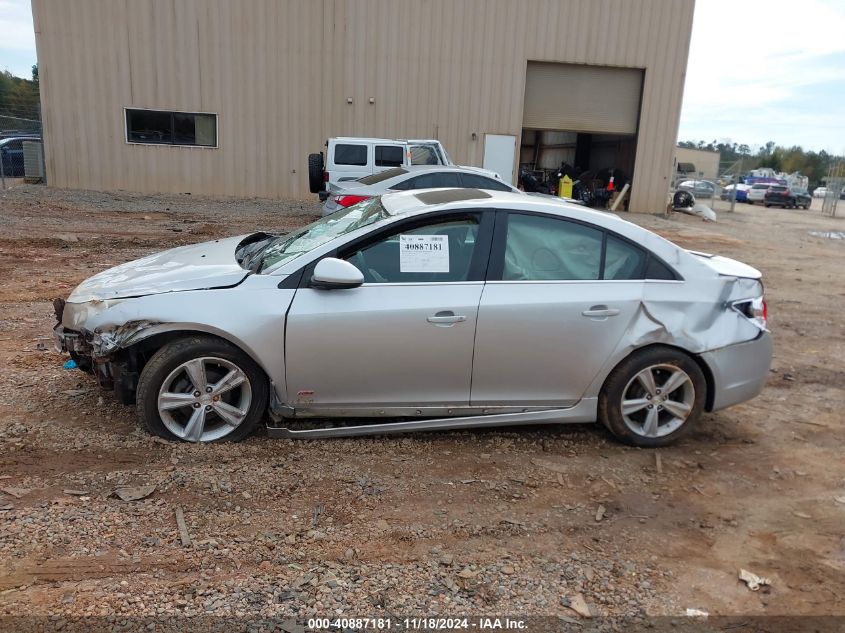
(426, 310)
(348, 192)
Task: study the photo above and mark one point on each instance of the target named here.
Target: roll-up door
(582, 98)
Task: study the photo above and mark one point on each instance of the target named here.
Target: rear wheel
(201, 389)
(315, 172)
(653, 397)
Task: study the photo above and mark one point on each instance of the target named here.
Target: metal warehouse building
(228, 98)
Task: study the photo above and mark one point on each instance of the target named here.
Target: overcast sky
(758, 71)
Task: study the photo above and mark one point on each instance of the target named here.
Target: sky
(758, 71)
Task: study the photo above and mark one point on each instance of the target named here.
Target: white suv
(350, 158)
(758, 192)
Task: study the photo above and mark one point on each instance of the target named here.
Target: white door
(500, 154)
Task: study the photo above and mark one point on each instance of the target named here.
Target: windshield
(290, 246)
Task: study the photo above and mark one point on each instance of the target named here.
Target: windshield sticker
(423, 254)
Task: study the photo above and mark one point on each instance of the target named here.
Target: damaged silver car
(423, 310)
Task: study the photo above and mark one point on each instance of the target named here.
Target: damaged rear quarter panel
(695, 315)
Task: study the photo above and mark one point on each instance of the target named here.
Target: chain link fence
(21, 149)
(733, 191)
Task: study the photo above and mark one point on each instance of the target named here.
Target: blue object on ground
(70, 364)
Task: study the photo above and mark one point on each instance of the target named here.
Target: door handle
(600, 311)
(446, 317)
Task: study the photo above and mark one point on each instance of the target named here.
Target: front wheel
(653, 397)
(201, 389)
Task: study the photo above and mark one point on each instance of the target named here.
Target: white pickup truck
(350, 158)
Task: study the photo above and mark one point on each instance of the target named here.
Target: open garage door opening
(581, 122)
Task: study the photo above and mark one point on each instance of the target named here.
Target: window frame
(433, 174)
(383, 146)
(127, 140)
(301, 278)
(502, 185)
(496, 263)
(368, 149)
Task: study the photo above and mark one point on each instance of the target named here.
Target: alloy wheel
(658, 400)
(204, 399)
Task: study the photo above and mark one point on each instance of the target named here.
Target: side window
(348, 154)
(658, 270)
(423, 155)
(623, 260)
(440, 251)
(482, 182)
(429, 181)
(543, 248)
(389, 155)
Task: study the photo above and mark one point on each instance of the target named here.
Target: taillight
(325, 176)
(348, 201)
(755, 310)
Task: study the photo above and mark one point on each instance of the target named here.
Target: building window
(159, 127)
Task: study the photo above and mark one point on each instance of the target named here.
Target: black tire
(315, 173)
(663, 360)
(768, 205)
(171, 356)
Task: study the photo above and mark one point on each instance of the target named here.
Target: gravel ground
(532, 521)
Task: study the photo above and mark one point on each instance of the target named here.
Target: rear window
(761, 186)
(778, 189)
(348, 154)
(381, 176)
(481, 182)
(389, 155)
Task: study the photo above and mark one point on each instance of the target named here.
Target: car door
(403, 339)
(559, 298)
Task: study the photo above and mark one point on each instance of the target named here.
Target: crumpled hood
(195, 267)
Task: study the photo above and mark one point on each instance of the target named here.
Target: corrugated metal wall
(279, 72)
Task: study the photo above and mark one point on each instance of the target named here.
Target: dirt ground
(504, 521)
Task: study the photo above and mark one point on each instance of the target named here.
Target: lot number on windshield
(423, 253)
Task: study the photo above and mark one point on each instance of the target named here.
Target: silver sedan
(348, 192)
(425, 310)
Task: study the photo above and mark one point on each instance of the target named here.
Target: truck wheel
(202, 389)
(315, 172)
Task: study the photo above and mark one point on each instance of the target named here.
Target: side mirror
(331, 273)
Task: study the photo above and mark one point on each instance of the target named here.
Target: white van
(350, 158)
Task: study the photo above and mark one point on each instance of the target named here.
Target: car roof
(20, 138)
(366, 139)
(421, 200)
(461, 168)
